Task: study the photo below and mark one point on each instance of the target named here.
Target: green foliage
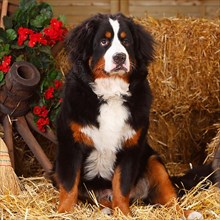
(62, 18)
(32, 14)
(8, 23)
(11, 34)
(44, 16)
(1, 76)
(4, 50)
(3, 36)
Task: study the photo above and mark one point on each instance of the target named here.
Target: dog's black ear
(143, 44)
(78, 41)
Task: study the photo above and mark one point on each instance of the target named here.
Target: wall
(77, 10)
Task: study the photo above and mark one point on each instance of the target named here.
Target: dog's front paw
(106, 211)
(193, 215)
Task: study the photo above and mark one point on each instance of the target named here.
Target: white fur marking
(113, 127)
(195, 216)
(116, 47)
(106, 211)
(99, 164)
(107, 88)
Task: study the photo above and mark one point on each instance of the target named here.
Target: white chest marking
(113, 128)
(116, 47)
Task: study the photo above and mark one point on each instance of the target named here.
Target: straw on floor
(39, 200)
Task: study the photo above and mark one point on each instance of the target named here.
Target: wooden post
(24, 131)
(49, 134)
(124, 7)
(4, 11)
(115, 6)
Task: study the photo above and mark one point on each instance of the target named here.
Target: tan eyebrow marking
(108, 34)
(123, 34)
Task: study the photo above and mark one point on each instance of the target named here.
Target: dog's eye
(125, 42)
(104, 42)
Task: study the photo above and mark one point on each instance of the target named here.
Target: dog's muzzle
(119, 60)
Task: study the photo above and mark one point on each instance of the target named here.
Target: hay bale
(213, 145)
(185, 83)
(185, 80)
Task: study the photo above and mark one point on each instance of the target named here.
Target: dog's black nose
(119, 58)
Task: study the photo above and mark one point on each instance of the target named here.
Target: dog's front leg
(120, 196)
(125, 174)
(68, 170)
(68, 198)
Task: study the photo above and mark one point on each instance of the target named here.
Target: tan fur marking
(105, 203)
(98, 70)
(68, 199)
(165, 193)
(90, 61)
(108, 34)
(119, 201)
(159, 178)
(123, 35)
(133, 140)
(79, 136)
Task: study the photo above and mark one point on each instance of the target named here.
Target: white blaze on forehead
(116, 47)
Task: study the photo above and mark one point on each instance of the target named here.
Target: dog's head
(110, 45)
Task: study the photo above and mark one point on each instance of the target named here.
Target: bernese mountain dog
(103, 123)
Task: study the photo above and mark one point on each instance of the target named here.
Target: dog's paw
(195, 216)
(106, 211)
(106, 194)
(192, 215)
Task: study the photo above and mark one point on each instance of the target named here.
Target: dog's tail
(206, 173)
